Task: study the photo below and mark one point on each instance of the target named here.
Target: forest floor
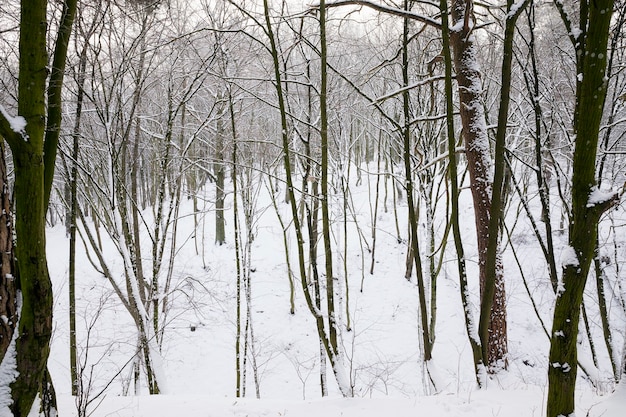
(382, 348)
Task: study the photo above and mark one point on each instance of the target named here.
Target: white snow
(17, 123)
(613, 406)
(515, 8)
(576, 32)
(381, 354)
(569, 257)
(8, 372)
(458, 26)
(598, 196)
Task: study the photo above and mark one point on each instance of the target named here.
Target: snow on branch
(569, 257)
(516, 9)
(572, 32)
(602, 200)
(384, 9)
(443, 156)
(11, 126)
(410, 87)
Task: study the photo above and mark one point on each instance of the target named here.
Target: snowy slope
(382, 349)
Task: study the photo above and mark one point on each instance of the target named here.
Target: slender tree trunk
(412, 208)
(470, 326)
(135, 163)
(374, 212)
(220, 175)
(333, 327)
(533, 84)
(72, 222)
(335, 362)
(8, 287)
(473, 119)
(55, 87)
(492, 327)
(587, 207)
(604, 313)
(311, 175)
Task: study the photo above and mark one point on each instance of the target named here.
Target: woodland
(286, 172)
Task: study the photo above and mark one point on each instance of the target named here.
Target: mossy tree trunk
(34, 171)
(587, 204)
(35, 325)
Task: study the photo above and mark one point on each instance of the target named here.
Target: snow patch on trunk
(569, 257)
(598, 197)
(17, 123)
(8, 368)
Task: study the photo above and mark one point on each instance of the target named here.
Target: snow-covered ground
(382, 349)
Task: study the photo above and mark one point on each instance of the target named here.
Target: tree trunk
(8, 288)
(412, 208)
(220, 234)
(492, 325)
(35, 327)
(26, 140)
(454, 200)
(587, 207)
(333, 327)
(479, 165)
(335, 361)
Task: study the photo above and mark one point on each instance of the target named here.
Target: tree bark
(35, 327)
(492, 325)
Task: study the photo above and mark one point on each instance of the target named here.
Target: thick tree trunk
(35, 327)
(492, 325)
(27, 145)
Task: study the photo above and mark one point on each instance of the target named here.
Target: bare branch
(567, 21)
(409, 87)
(385, 9)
